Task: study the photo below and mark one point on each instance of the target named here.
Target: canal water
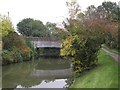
(41, 73)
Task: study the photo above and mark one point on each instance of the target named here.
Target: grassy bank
(105, 75)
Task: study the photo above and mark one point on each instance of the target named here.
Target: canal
(40, 73)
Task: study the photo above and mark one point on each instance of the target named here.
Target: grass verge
(105, 75)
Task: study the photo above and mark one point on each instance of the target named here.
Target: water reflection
(42, 73)
(58, 83)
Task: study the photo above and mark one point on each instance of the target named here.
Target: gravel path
(116, 57)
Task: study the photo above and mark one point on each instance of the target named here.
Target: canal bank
(105, 75)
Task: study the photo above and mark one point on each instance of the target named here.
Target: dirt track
(113, 55)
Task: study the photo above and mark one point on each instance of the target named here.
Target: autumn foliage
(14, 47)
(88, 31)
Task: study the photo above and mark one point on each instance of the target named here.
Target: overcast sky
(45, 10)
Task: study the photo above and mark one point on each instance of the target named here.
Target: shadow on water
(41, 73)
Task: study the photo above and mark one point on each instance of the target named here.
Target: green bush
(27, 55)
(13, 39)
(7, 58)
(17, 54)
(83, 45)
(33, 50)
(16, 49)
(12, 55)
(14, 46)
(84, 52)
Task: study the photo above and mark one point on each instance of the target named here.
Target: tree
(74, 8)
(81, 17)
(13, 45)
(60, 34)
(110, 13)
(111, 9)
(31, 27)
(83, 43)
(39, 29)
(90, 13)
(56, 33)
(51, 26)
(25, 26)
(6, 26)
(104, 19)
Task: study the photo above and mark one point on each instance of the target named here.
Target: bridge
(46, 46)
(45, 43)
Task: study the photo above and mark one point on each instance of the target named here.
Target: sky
(54, 11)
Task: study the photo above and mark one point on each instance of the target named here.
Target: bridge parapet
(42, 39)
(38, 44)
(45, 42)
